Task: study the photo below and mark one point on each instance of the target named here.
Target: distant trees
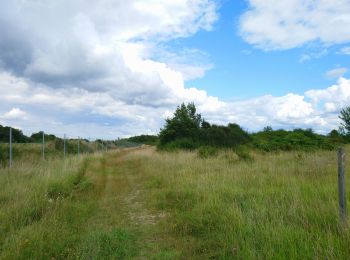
(38, 137)
(144, 139)
(185, 125)
(345, 117)
(298, 139)
(17, 135)
(187, 129)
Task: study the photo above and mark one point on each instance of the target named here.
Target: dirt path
(122, 213)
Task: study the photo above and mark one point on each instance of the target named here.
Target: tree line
(188, 130)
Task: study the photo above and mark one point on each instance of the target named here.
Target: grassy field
(142, 204)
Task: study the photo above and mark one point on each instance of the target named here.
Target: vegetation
(140, 203)
(298, 139)
(38, 137)
(345, 117)
(187, 130)
(17, 135)
(144, 139)
(53, 149)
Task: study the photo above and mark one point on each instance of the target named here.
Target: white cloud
(14, 113)
(98, 58)
(104, 70)
(82, 113)
(274, 24)
(338, 94)
(336, 73)
(91, 45)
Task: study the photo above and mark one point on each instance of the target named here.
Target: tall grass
(32, 152)
(39, 207)
(180, 205)
(277, 205)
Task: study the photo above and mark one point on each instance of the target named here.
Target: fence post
(78, 145)
(10, 147)
(43, 146)
(341, 184)
(64, 145)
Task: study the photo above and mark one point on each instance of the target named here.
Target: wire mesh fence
(41, 146)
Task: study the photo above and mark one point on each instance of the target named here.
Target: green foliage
(297, 139)
(126, 143)
(187, 130)
(243, 154)
(336, 137)
(185, 124)
(223, 136)
(38, 137)
(181, 143)
(345, 117)
(17, 135)
(144, 139)
(207, 151)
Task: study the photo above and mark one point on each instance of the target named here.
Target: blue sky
(241, 70)
(119, 68)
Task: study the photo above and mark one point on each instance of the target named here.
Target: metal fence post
(10, 147)
(43, 146)
(341, 184)
(64, 145)
(78, 145)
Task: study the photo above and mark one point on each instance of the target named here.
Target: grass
(279, 205)
(140, 203)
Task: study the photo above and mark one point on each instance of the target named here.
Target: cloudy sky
(115, 68)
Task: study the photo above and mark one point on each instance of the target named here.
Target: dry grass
(140, 203)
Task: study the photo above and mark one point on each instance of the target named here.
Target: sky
(114, 68)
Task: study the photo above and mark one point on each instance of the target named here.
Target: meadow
(140, 203)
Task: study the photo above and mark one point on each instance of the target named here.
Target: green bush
(144, 139)
(243, 154)
(187, 130)
(207, 151)
(298, 139)
(183, 143)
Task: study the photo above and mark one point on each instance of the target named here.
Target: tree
(185, 124)
(267, 129)
(345, 117)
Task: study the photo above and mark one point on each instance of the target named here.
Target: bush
(184, 125)
(243, 154)
(187, 130)
(144, 139)
(207, 151)
(183, 143)
(298, 139)
(223, 136)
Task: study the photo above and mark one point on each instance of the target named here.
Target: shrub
(243, 154)
(185, 124)
(207, 151)
(183, 143)
(298, 139)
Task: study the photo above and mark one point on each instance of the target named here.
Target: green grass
(140, 203)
